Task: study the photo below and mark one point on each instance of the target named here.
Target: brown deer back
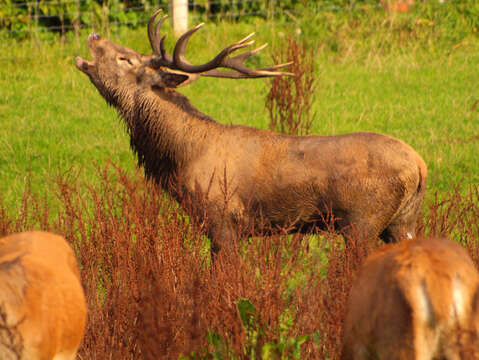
(40, 296)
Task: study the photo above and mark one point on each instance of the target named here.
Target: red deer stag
(373, 181)
(416, 300)
(41, 297)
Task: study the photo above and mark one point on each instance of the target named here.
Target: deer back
(41, 297)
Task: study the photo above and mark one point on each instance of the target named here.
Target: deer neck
(166, 131)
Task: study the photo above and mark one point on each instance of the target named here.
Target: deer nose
(93, 36)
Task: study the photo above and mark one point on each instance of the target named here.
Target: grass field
(404, 75)
(52, 118)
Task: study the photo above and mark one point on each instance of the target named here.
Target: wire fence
(32, 18)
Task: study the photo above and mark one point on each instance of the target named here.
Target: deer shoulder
(413, 300)
(41, 297)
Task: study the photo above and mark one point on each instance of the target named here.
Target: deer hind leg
(358, 228)
(221, 234)
(404, 224)
(398, 231)
(405, 221)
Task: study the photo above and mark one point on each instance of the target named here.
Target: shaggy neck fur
(166, 130)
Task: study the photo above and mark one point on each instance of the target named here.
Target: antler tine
(243, 56)
(260, 73)
(247, 37)
(162, 52)
(279, 66)
(152, 32)
(168, 59)
(237, 63)
(180, 47)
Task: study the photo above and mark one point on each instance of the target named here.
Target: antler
(179, 62)
(154, 33)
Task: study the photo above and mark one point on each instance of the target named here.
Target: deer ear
(173, 80)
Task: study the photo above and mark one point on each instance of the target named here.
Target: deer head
(115, 67)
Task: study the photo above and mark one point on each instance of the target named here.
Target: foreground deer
(370, 180)
(41, 296)
(415, 300)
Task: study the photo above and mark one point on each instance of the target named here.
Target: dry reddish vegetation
(290, 99)
(152, 292)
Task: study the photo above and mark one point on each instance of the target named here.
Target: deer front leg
(220, 234)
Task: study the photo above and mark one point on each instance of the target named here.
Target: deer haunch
(256, 177)
(41, 298)
(416, 300)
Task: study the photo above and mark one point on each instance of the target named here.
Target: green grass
(52, 119)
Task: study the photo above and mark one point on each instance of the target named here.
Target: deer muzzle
(83, 65)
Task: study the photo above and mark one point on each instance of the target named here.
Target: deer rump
(256, 178)
(41, 298)
(417, 300)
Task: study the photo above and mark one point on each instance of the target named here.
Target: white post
(179, 16)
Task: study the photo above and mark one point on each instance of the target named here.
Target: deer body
(41, 295)
(257, 177)
(416, 300)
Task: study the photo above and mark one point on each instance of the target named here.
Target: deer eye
(124, 59)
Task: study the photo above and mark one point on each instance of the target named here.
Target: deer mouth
(85, 65)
